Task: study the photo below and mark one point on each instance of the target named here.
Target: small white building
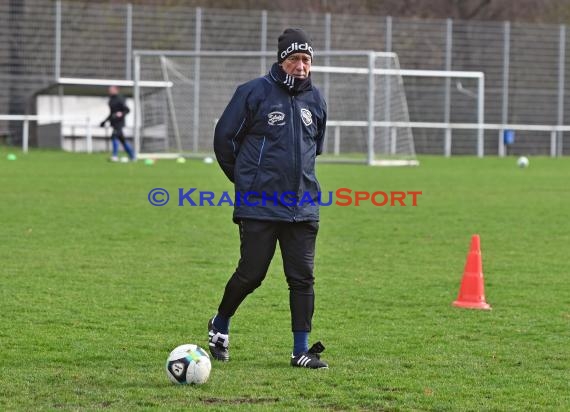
(71, 110)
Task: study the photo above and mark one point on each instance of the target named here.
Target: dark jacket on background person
(117, 104)
(266, 142)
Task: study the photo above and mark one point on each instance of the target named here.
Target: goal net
(368, 112)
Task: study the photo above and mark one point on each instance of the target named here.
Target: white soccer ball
(522, 162)
(188, 364)
(208, 160)
(124, 159)
(181, 160)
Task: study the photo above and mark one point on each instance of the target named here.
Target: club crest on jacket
(276, 119)
(307, 117)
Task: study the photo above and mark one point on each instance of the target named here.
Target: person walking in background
(118, 111)
(266, 142)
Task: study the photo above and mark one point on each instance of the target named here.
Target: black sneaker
(218, 343)
(310, 359)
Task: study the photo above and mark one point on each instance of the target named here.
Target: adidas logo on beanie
(293, 41)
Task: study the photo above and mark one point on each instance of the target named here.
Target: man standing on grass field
(118, 110)
(266, 143)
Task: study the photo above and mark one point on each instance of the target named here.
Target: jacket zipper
(261, 152)
(296, 156)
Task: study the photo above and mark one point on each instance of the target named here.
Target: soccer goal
(367, 97)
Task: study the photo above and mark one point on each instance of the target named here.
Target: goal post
(367, 94)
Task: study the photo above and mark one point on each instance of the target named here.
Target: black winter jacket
(266, 142)
(117, 104)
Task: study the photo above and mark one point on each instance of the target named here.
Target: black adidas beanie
(293, 41)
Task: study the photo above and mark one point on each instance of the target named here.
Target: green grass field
(97, 286)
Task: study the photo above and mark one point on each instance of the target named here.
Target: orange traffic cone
(472, 291)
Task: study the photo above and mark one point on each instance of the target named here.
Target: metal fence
(525, 65)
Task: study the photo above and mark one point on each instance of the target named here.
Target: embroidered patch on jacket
(307, 117)
(276, 119)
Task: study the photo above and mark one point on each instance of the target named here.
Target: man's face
(113, 90)
(297, 65)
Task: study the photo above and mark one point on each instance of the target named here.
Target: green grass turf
(97, 286)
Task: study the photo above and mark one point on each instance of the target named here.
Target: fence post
(57, 40)
(393, 139)
(505, 99)
(138, 110)
(129, 41)
(387, 84)
(197, 47)
(25, 135)
(371, 100)
(447, 108)
(327, 61)
(561, 72)
(481, 117)
(263, 41)
(336, 149)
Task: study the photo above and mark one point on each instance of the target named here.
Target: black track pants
(258, 241)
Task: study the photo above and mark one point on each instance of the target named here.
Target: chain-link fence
(525, 65)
